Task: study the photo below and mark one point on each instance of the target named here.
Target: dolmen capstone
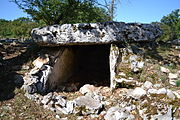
(94, 53)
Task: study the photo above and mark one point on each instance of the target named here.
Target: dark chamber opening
(93, 65)
(85, 64)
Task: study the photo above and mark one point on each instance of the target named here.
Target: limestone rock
(70, 106)
(34, 83)
(117, 113)
(40, 61)
(34, 97)
(138, 92)
(60, 101)
(165, 70)
(113, 58)
(157, 86)
(87, 89)
(128, 81)
(57, 117)
(110, 113)
(172, 82)
(93, 105)
(170, 94)
(177, 47)
(166, 116)
(125, 60)
(66, 118)
(147, 85)
(34, 71)
(122, 74)
(177, 94)
(64, 67)
(68, 109)
(152, 91)
(95, 33)
(136, 65)
(162, 91)
(173, 76)
(46, 99)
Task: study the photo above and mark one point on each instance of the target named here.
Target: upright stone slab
(125, 62)
(113, 58)
(64, 67)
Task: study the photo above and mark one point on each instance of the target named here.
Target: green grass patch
(178, 83)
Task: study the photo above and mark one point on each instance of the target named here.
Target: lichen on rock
(95, 33)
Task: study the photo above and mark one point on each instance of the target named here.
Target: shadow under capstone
(88, 64)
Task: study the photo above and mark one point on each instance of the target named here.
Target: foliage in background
(63, 11)
(48, 12)
(170, 25)
(18, 28)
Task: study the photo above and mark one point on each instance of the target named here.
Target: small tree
(171, 25)
(62, 11)
(110, 6)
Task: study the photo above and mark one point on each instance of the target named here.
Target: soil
(16, 59)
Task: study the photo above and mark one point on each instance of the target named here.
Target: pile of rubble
(146, 102)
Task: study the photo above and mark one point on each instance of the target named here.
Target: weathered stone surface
(166, 116)
(133, 104)
(36, 83)
(113, 58)
(147, 85)
(64, 67)
(95, 33)
(173, 76)
(46, 99)
(138, 92)
(152, 91)
(41, 60)
(162, 91)
(87, 89)
(165, 70)
(125, 60)
(60, 101)
(149, 106)
(70, 65)
(117, 113)
(68, 109)
(136, 65)
(91, 104)
(170, 94)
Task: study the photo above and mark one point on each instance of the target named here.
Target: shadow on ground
(164, 53)
(13, 61)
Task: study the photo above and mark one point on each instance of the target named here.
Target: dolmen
(89, 53)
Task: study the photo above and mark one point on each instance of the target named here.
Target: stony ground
(13, 104)
(17, 58)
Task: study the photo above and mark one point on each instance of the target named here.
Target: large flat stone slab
(95, 33)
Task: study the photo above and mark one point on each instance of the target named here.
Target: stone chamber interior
(85, 64)
(93, 64)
